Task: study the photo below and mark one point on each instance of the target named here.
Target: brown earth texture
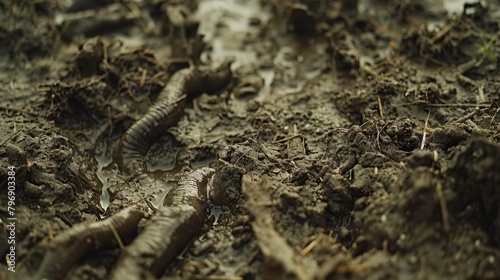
(352, 140)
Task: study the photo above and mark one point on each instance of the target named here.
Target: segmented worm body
(169, 231)
(71, 245)
(169, 108)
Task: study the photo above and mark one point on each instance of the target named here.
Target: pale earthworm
(172, 227)
(67, 248)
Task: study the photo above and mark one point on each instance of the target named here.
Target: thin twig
(494, 116)
(378, 136)
(263, 150)
(10, 137)
(136, 11)
(371, 71)
(425, 130)
(465, 67)
(469, 115)
(117, 236)
(143, 77)
(444, 209)
(309, 247)
(380, 107)
(442, 32)
(480, 90)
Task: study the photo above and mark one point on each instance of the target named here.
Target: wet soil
(357, 140)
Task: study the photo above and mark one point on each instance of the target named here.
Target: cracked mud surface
(357, 140)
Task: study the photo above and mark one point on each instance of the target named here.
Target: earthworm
(169, 108)
(169, 231)
(71, 245)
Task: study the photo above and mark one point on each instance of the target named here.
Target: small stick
(136, 11)
(309, 247)
(465, 79)
(464, 67)
(410, 90)
(286, 139)
(380, 107)
(143, 77)
(242, 155)
(378, 134)
(371, 71)
(494, 116)
(263, 150)
(444, 209)
(14, 134)
(442, 32)
(117, 236)
(425, 131)
(480, 89)
(469, 115)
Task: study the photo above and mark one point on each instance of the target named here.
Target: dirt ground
(357, 140)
